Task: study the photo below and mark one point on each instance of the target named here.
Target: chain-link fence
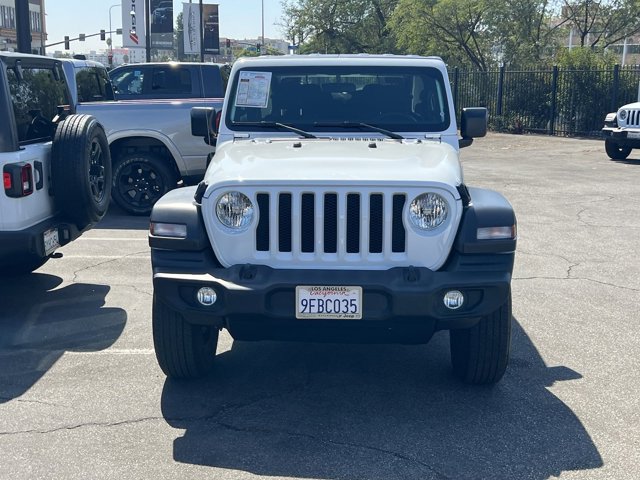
(554, 101)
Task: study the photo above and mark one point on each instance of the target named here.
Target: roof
(351, 59)
(164, 64)
(24, 55)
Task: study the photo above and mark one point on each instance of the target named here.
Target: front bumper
(400, 305)
(623, 137)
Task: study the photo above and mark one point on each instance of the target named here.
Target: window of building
(36, 24)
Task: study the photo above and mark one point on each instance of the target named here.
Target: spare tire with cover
(81, 170)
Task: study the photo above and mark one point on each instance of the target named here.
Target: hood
(342, 160)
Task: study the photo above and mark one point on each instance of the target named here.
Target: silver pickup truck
(149, 133)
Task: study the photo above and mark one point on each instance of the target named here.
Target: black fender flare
(179, 207)
(487, 208)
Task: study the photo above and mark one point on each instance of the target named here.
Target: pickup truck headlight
(235, 210)
(428, 211)
(622, 114)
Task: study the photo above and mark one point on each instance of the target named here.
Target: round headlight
(623, 114)
(235, 210)
(428, 211)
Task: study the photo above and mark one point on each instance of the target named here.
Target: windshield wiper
(278, 125)
(375, 128)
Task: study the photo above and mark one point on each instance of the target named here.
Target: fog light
(207, 296)
(453, 299)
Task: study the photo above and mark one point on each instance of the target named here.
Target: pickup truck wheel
(480, 354)
(81, 169)
(616, 152)
(183, 350)
(139, 180)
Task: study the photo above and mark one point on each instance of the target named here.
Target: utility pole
(147, 29)
(23, 26)
(201, 32)
(110, 34)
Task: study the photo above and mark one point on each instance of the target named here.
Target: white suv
(56, 167)
(621, 131)
(335, 209)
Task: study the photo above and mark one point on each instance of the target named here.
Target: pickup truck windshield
(335, 98)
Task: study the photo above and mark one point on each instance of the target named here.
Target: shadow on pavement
(376, 412)
(117, 219)
(39, 322)
(627, 161)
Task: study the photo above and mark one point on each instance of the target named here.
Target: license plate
(328, 302)
(633, 134)
(51, 241)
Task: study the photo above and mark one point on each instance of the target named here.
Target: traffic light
(81, 37)
(66, 42)
(103, 35)
(258, 47)
(228, 43)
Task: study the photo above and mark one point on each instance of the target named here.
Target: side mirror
(203, 124)
(473, 124)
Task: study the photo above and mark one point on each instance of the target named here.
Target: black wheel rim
(140, 185)
(97, 183)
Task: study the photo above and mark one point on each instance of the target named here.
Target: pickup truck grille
(331, 223)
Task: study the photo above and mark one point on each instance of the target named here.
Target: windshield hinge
(436, 138)
(241, 135)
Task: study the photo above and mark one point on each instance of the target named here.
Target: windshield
(329, 98)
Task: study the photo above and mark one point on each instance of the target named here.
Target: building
(8, 35)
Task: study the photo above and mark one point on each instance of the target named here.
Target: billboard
(161, 19)
(133, 24)
(193, 28)
(211, 29)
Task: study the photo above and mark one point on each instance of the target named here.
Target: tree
(602, 23)
(453, 29)
(339, 26)
(526, 32)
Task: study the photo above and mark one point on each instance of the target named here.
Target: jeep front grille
(331, 223)
(633, 118)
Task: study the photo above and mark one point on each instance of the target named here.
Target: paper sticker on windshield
(253, 89)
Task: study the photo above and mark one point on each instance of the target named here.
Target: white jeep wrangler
(56, 168)
(621, 131)
(335, 210)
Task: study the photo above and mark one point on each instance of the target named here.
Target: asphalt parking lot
(81, 395)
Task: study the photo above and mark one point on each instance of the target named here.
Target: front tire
(139, 180)
(615, 152)
(183, 350)
(480, 354)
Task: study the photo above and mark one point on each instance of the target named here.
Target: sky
(239, 19)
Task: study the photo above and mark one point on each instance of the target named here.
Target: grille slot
(284, 222)
(262, 232)
(376, 223)
(330, 223)
(398, 240)
(307, 223)
(339, 230)
(353, 223)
